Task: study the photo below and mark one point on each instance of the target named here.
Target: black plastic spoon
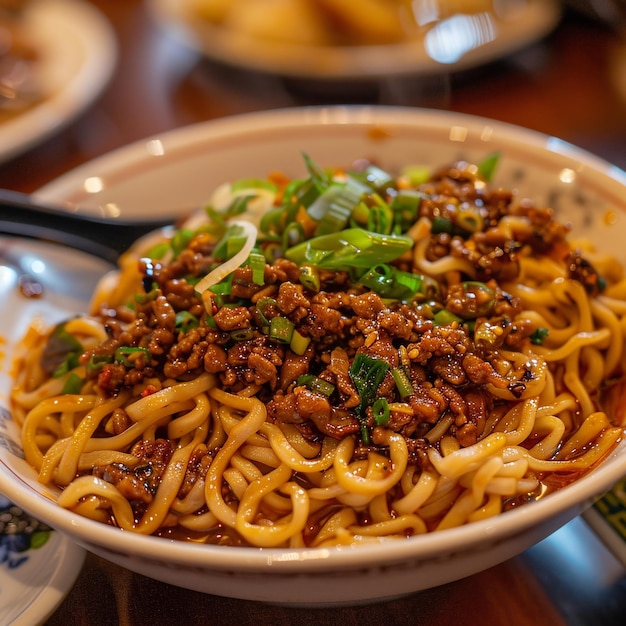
(21, 216)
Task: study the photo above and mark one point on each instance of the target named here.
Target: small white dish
(35, 580)
(78, 52)
(606, 518)
(181, 169)
(457, 43)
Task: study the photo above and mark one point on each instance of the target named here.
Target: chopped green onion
(257, 263)
(403, 382)
(73, 384)
(69, 364)
(98, 361)
(539, 336)
(469, 221)
(281, 329)
(224, 287)
(61, 352)
(405, 207)
(261, 306)
(315, 383)
(185, 321)
(272, 221)
(360, 215)
(380, 218)
(272, 251)
(292, 235)
(126, 355)
(390, 282)
(333, 208)
(443, 317)
(181, 240)
(238, 206)
(298, 194)
(234, 244)
(310, 277)
(485, 335)
(417, 174)
(299, 343)
(251, 184)
(142, 298)
(442, 225)
(231, 242)
(366, 373)
(158, 251)
(487, 167)
(381, 412)
(377, 177)
(318, 176)
(348, 249)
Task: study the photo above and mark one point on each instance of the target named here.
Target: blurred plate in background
(77, 53)
(456, 42)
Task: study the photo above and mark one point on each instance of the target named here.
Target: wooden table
(561, 86)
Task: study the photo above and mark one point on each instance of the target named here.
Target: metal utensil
(21, 216)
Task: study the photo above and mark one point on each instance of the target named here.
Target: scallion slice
(333, 208)
(314, 383)
(390, 282)
(126, 355)
(257, 264)
(281, 329)
(352, 248)
(487, 167)
(403, 382)
(73, 384)
(299, 343)
(381, 412)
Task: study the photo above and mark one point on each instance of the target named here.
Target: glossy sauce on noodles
(347, 357)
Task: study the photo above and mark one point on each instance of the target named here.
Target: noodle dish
(351, 358)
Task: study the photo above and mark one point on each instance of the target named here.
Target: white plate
(35, 581)
(453, 44)
(78, 54)
(181, 169)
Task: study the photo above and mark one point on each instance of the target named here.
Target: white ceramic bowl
(179, 170)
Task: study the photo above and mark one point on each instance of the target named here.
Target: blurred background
(154, 65)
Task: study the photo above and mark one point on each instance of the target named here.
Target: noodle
(409, 356)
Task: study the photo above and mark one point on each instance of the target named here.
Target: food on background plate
(347, 357)
(19, 57)
(341, 22)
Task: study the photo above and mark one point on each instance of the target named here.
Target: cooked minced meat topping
(309, 338)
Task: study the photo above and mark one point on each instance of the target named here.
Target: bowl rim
(97, 535)
(121, 163)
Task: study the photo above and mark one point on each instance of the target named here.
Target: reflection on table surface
(571, 84)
